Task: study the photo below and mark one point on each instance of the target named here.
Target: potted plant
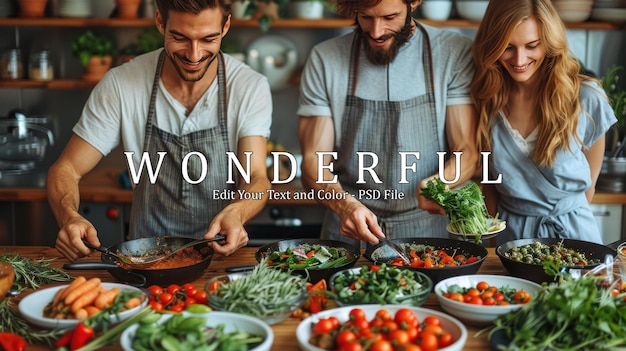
(95, 53)
(309, 9)
(149, 39)
(617, 98)
(266, 11)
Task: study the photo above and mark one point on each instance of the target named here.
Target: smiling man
(393, 87)
(185, 99)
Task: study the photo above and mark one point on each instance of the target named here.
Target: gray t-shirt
(117, 108)
(325, 76)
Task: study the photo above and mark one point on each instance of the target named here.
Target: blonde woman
(542, 121)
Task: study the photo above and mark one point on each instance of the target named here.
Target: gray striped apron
(173, 206)
(387, 128)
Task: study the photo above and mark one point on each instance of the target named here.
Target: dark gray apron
(172, 206)
(386, 128)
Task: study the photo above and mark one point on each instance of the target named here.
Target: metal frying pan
(146, 277)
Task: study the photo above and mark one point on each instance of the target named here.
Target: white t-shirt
(117, 108)
(325, 76)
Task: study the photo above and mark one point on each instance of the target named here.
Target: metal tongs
(395, 248)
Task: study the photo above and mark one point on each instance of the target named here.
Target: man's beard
(191, 76)
(383, 56)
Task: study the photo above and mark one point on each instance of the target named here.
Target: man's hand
(229, 224)
(70, 238)
(358, 222)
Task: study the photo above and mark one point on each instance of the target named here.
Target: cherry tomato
(399, 337)
(335, 321)
(351, 346)
(155, 290)
(323, 326)
(201, 297)
(189, 301)
(412, 347)
(432, 328)
(345, 337)
(189, 286)
(482, 286)
(445, 339)
(521, 297)
(356, 314)
(406, 316)
(166, 298)
(157, 306)
(432, 320)
(428, 341)
(214, 285)
(383, 315)
(381, 345)
(179, 307)
(173, 288)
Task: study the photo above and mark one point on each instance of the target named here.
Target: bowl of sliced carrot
(63, 306)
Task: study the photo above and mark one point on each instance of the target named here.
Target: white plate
(449, 323)
(31, 307)
(494, 229)
(232, 322)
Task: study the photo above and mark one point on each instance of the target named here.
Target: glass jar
(11, 65)
(40, 66)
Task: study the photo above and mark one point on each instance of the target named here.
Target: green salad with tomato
(308, 256)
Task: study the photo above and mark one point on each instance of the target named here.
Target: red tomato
(389, 326)
(155, 290)
(360, 324)
(521, 297)
(399, 337)
(374, 268)
(445, 339)
(323, 326)
(406, 316)
(383, 315)
(351, 346)
(412, 347)
(189, 301)
(369, 335)
(413, 333)
(166, 298)
(482, 286)
(432, 328)
(173, 288)
(381, 345)
(189, 286)
(201, 297)
(356, 314)
(432, 320)
(157, 306)
(335, 321)
(345, 337)
(428, 341)
(179, 307)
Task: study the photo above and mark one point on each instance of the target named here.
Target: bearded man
(389, 96)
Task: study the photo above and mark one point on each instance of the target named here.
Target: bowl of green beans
(266, 292)
(380, 284)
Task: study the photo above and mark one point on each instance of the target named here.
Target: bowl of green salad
(316, 259)
(380, 284)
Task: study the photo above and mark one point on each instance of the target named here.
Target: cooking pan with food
(381, 253)
(535, 272)
(184, 267)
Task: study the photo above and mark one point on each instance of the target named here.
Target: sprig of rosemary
(12, 322)
(31, 274)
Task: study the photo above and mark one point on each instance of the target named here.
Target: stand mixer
(23, 143)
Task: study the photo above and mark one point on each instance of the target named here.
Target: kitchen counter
(284, 332)
(102, 185)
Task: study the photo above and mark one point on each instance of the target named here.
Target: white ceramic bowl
(472, 10)
(31, 307)
(232, 322)
(449, 323)
(436, 10)
(481, 314)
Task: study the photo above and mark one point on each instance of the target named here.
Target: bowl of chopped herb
(380, 284)
(541, 259)
(266, 292)
(315, 258)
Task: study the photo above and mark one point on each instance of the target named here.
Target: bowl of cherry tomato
(480, 298)
(174, 297)
(381, 327)
(438, 258)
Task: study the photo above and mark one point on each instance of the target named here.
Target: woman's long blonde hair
(558, 104)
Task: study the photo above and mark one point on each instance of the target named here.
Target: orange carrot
(85, 299)
(73, 285)
(132, 302)
(92, 310)
(105, 299)
(57, 296)
(92, 284)
(81, 314)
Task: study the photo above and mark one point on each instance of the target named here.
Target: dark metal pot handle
(102, 265)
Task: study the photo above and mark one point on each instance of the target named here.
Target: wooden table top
(284, 332)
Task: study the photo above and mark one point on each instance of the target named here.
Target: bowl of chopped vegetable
(541, 259)
(266, 292)
(380, 284)
(316, 258)
(198, 331)
(438, 258)
(480, 298)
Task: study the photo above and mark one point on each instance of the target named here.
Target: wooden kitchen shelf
(53, 84)
(282, 23)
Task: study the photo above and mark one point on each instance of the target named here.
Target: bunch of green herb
(31, 274)
(465, 206)
(12, 322)
(262, 292)
(573, 315)
(617, 96)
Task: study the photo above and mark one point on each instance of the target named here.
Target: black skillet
(145, 276)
